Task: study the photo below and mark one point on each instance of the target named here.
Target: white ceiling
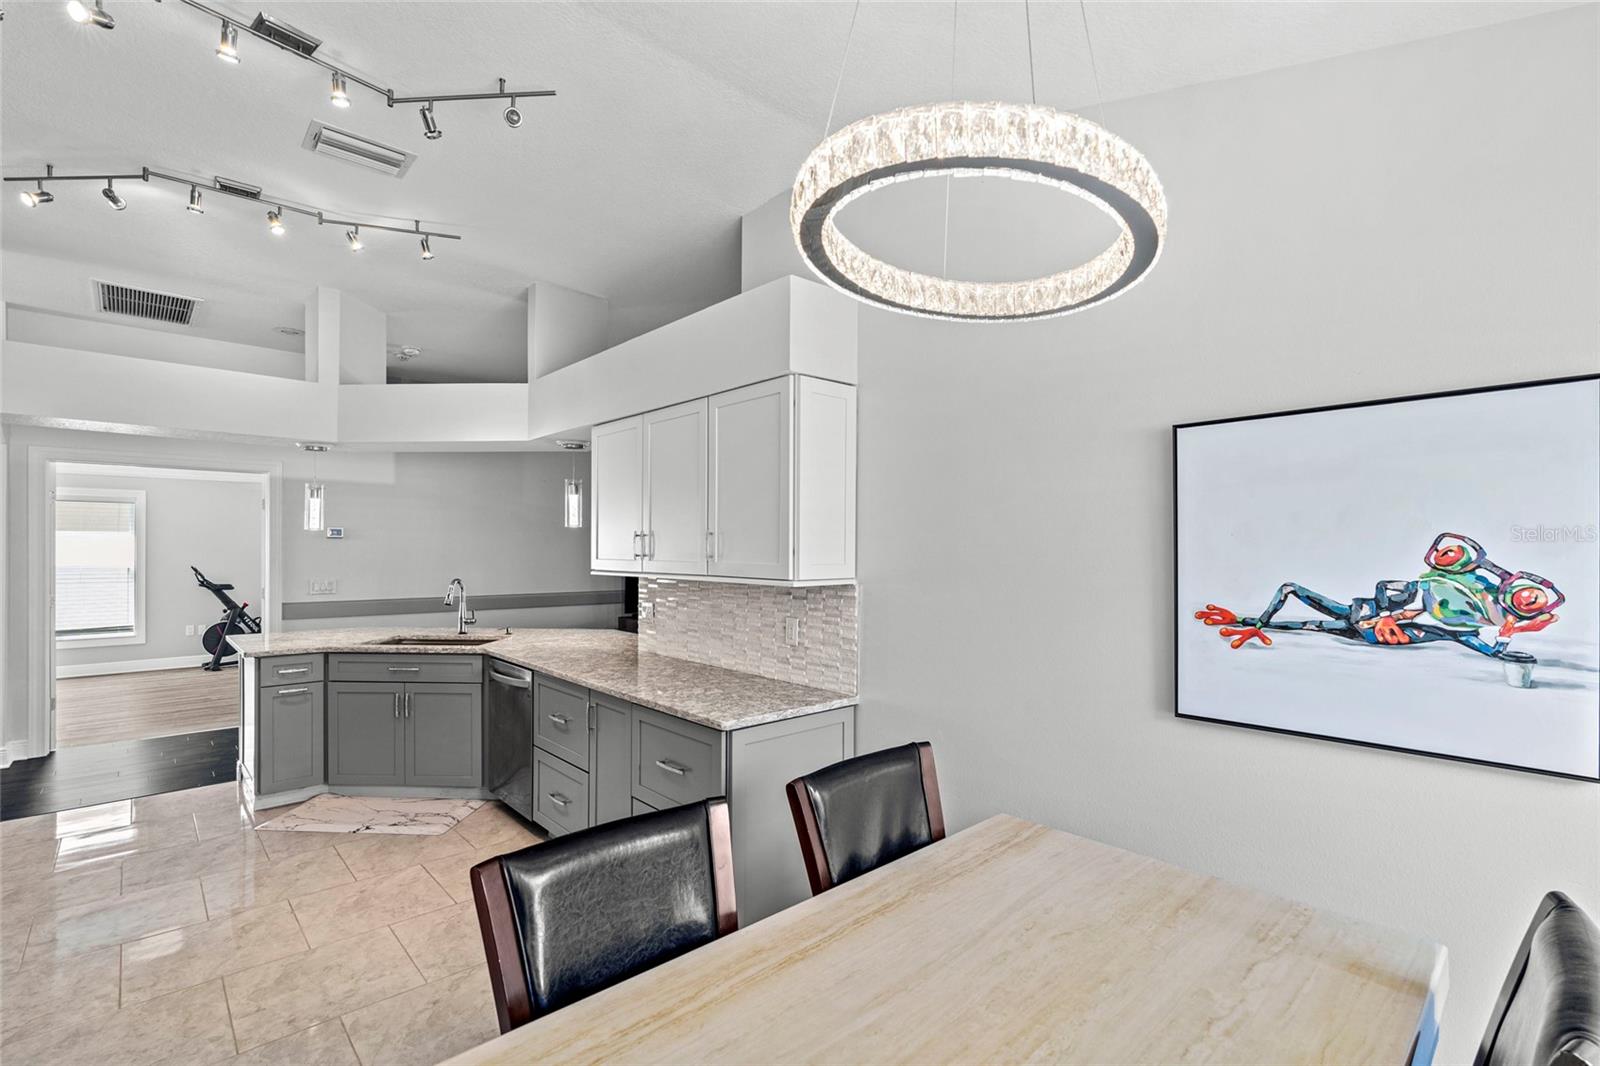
(672, 120)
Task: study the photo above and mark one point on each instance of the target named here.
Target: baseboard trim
(5, 758)
(130, 666)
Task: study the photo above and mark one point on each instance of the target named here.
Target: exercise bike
(234, 620)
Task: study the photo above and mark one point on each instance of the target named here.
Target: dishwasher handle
(509, 679)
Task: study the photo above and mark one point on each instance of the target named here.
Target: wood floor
(121, 770)
(158, 703)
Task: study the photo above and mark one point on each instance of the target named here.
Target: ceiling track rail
(322, 217)
(391, 98)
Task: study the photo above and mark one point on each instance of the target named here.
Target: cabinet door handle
(408, 704)
(637, 554)
(650, 544)
(293, 691)
(405, 669)
(557, 798)
(397, 705)
(560, 719)
(711, 545)
(292, 669)
(672, 767)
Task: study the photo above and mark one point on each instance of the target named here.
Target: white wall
(564, 325)
(215, 525)
(111, 335)
(1402, 221)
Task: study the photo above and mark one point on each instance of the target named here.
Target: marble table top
(604, 660)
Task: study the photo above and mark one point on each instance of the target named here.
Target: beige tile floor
(166, 929)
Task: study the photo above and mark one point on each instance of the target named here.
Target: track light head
(194, 201)
(512, 114)
(427, 252)
(228, 43)
(354, 237)
(275, 222)
(113, 197)
(430, 128)
(84, 15)
(338, 91)
(35, 197)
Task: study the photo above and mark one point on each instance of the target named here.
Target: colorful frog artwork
(1462, 593)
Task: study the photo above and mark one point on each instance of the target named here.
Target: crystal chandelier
(1024, 142)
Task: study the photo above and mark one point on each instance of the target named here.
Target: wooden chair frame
(805, 820)
(497, 921)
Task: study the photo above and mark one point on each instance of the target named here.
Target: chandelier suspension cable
(949, 179)
(1099, 97)
(843, 60)
(1027, 15)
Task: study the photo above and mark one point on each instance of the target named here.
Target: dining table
(1011, 942)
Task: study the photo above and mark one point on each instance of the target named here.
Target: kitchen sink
(435, 642)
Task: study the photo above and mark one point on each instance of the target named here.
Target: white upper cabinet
(675, 490)
(756, 484)
(616, 473)
(752, 479)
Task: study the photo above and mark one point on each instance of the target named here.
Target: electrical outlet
(188, 631)
(646, 609)
(791, 630)
(324, 588)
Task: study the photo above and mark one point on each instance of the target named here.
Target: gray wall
(1401, 221)
(215, 525)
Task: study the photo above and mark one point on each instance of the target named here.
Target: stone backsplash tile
(741, 627)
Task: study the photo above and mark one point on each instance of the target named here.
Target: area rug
(329, 813)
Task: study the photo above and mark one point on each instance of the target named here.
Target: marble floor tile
(125, 840)
(39, 891)
(81, 984)
(443, 942)
(257, 884)
(184, 1027)
(74, 822)
(452, 871)
(215, 855)
(72, 930)
(337, 913)
(320, 1045)
(27, 855)
(287, 845)
(372, 854)
(166, 962)
(495, 823)
(279, 998)
(222, 796)
(426, 1025)
(14, 928)
(222, 821)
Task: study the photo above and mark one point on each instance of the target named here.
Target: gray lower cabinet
(641, 807)
(560, 794)
(366, 734)
(561, 719)
(290, 730)
(443, 735)
(612, 766)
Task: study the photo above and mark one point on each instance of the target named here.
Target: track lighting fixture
(228, 43)
(85, 15)
(35, 197)
(275, 222)
(338, 91)
(113, 197)
(353, 235)
(513, 116)
(194, 201)
(430, 128)
(427, 252)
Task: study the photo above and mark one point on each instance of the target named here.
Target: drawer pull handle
(560, 719)
(557, 798)
(293, 691)
(405, 669)
(397, 705)
(292, 669)
(672, 767)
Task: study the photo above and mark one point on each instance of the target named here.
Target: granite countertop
(605, 660)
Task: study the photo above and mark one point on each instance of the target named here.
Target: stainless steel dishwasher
(508, 736)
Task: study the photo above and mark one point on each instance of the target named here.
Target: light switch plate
(791, 630)
(335, 532)
(324, 588)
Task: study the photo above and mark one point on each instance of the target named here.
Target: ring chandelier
(298, 43)
(1024, 142)
(276, 208)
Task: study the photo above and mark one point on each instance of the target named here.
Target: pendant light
(572, 487)
(316, 518)
(1023, 142)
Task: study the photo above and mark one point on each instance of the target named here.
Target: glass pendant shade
(316, 518)
(574, 503)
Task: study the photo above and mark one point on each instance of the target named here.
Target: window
(99, 566)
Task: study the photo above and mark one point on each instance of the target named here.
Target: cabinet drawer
(561, 720)
(406, 669)
(641, 807)
(677, 761)
(560, 794)
(290, 670)
(291, 738)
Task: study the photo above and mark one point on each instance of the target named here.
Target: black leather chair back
(856, 815)
(566, 918)
(1548, 1013)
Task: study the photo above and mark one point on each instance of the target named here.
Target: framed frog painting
(1419, 574)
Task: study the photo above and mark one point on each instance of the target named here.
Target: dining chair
(858, 814)
(566, 918)
(1548, 1013)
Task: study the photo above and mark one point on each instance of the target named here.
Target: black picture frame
(1178, 614)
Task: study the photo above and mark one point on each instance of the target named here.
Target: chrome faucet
(456, 596)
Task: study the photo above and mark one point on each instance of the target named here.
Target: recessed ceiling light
(407, 351)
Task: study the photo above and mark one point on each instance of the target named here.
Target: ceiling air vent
(284, 35)
(142, 303)
(353, 148)
(239, 188)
